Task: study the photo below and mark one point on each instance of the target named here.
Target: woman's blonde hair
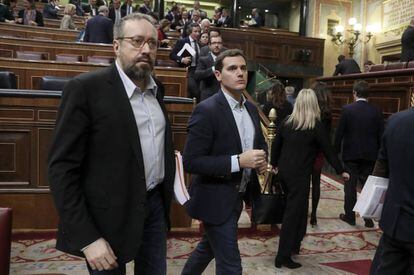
(69, 8)
(305, 112)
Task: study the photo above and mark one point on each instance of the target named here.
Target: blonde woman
(67, 20)
(297, 143)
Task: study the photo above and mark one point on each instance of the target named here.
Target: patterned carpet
(332, 247)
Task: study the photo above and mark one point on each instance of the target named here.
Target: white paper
(180, 189)
(371, 200)
(188, 48)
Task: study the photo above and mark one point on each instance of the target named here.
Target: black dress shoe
(369, 223)
(313, 221)
(343, 218)
(286, 262)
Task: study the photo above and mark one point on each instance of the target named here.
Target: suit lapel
(228, 115)
(126, 113)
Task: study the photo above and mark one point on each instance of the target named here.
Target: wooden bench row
(10, 45)
(29, 73)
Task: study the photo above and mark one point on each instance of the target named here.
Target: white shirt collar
(130, 86)
(234, 104)
(361, 99)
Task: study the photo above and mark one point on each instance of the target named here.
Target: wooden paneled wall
(27, 119)
(392, 91)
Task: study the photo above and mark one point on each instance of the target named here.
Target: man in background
(205, 72)
(407, 43)
(186, 60)
(346, 66)
(359, 131)
(99, 29)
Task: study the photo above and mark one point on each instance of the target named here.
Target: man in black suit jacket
(224, 20)
(100, 28)
(185, 60)
(204, 73)
(359, 130)
(407, 43)
(115, 12)
(127, 7)
(396, 156)
(195, 19)
(224, 146)
(92, 8)
(346, 66)
(145, 7)
(111, 163)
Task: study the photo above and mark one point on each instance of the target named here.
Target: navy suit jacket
(211, 141)
(397, 219)
(359, 129)
(99, 29)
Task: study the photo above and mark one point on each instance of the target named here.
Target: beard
(140, 72)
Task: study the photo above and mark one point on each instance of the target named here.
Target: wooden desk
(284, 53)
(18, 30)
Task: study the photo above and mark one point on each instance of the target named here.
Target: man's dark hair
(341, 57)
(191, 27)
(209, 38)
(214, 30)
(218, 65)
(361, 88)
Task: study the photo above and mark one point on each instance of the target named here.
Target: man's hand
(186, 60)
(253, 159)
(100, 255)
(262, 169)
(345, 176)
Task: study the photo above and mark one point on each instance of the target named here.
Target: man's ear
(116, 47)
(218, 75)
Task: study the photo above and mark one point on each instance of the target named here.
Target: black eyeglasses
(139, 42)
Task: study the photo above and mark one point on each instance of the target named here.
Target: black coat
(397, 219)
(407, 44)
(206, 77)
(5, 13)
(99, 29)
(50, 11)
(96, 170)
(211, 141)
(359, 129)
(347, 66)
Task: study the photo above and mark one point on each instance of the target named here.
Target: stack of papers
(180, 189)
(371, 200)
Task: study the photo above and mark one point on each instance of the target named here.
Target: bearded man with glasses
(111, 164)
